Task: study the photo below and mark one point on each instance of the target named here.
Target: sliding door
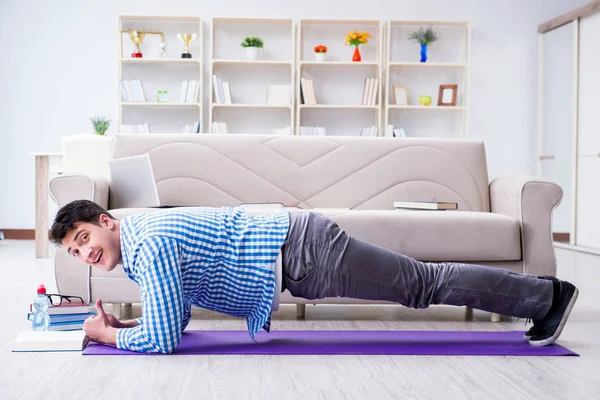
(588, 151)
(557, 119)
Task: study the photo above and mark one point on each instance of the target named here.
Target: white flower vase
(251, 53)
(319, 57)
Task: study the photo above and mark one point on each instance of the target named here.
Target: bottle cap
(41, 289)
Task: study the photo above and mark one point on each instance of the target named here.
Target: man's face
(98, 246)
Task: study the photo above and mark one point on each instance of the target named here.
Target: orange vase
(356, 56)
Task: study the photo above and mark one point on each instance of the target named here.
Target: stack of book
(66, 317)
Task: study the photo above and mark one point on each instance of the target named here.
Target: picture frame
(447, 95)
(400, 95)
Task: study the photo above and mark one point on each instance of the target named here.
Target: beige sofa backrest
(311, 171)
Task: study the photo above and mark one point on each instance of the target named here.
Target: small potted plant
(100, 125)
(424, 37)
(356, 38)
(252, 44)
(320, 52)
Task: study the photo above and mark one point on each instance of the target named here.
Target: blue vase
(423, 52)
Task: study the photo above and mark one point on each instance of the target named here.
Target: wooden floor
(72, 376)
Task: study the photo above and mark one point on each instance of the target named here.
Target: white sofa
(505, 223)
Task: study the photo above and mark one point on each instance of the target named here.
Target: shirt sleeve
(163, 311)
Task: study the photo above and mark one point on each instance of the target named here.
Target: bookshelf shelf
(182, 61)
(239, 87)
(340, 106)
(155, 104)
(427, 108)
(253, 62)
(338, 80)
(339, 64)
(241, 105)
(154, 72)
(448, 63)
(426, 65)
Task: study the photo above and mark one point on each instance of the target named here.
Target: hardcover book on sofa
(425, 205)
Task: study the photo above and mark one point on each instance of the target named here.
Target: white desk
(45, 164)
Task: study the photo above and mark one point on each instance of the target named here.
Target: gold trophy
(137, 37)
(186, 39)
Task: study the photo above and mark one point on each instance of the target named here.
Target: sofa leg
(469, 314)
(126, 311)
(116, 310)
(300, 310)
(495, 317)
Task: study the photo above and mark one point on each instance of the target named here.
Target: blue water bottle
(41, 319)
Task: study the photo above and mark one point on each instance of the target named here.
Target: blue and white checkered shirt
(221, 259)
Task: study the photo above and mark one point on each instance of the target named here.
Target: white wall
(58, 68)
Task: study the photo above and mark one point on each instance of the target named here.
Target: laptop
(133, 182)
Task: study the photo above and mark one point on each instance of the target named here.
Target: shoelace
(528, 320)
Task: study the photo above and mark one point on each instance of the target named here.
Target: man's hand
(114, 321)
(99, 328)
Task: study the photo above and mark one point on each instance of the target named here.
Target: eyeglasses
(57, 299)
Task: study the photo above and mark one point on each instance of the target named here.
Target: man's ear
(106, 221)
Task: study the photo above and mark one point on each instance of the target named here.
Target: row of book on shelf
(192, 128)
(132, 91)
(221, 127)
(145, 128)
(370, 90)
(280, 95)
(189, 91)
(222, 92)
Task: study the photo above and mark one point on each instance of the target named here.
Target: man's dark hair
(72, 214)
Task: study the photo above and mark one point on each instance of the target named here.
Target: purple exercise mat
(509, 343)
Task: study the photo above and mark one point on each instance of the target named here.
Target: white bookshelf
(338, 82)
(448, 62)
(248, 80)
(157, 73)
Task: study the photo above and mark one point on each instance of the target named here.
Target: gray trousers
(320, 260)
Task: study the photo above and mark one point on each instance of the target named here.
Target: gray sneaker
(549, 328)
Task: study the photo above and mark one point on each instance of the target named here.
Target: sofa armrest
(68, 187)
(530, 200)
(72, 275)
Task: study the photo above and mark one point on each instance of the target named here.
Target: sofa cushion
(463, 236)
(425, 235)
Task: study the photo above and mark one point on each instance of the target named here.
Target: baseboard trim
(18, 234)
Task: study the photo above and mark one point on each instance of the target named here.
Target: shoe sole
(561, 325)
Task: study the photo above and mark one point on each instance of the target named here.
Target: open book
(425, 205)
(50, 341)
